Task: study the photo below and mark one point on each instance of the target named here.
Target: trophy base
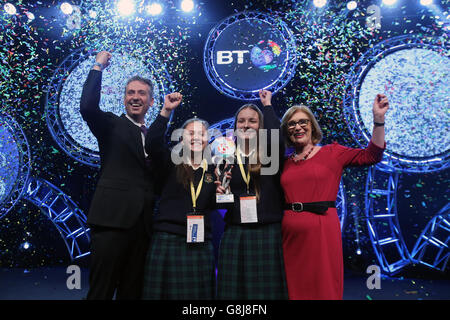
(225, 198)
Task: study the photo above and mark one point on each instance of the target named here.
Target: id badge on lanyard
(248, 210)
(195, 228)
(195, 221)
(249, 213)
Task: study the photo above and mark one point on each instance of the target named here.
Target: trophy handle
(225, 181)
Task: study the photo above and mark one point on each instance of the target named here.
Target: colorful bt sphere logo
(263, 53)
(248, 52)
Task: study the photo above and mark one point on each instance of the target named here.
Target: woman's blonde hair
(316, 132)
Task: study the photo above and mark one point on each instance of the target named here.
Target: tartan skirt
(251, 264)
(176, 270)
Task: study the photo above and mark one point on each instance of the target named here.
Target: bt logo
(226, 57)
(263, 55)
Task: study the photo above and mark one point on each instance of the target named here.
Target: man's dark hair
(143, 80)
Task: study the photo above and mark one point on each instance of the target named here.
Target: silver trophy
(223, 150)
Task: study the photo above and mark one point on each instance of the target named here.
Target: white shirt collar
(244, 154)
(202, 163)
(134, 122)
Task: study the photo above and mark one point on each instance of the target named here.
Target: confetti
(329, 42)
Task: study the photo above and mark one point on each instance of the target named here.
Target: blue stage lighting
(415, 80)
(62, 110)
(154, 9)
(125, 7)
(65, 215)
(187, 5)
(426, 2)
(122, 68)
(66, 8)
(389, 2)
(413, 71)
(26, 245)
(30, 16)
(247, 52)
(14, 163)
(351, 5)
(9, 162)
(92, 14)
(10, 8)
(320, 3)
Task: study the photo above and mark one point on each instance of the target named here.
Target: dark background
(30, 52)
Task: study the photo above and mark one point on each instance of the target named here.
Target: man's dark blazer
(125, 188)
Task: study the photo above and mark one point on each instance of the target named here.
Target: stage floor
(50, 284)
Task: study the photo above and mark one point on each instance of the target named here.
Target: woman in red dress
(312, 243)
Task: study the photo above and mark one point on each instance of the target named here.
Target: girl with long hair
(250, 262)
(180, 259)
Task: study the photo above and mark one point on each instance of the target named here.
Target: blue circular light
(26, 245)
(113, 83)
(126, 7)
(414, 73)
(154, 9)
(66, 8)
(352, 5)
(14, 163)
(9, 161)
(10, 8)
(416, 81)
(320, 3)
(63, 99)
(247, 52)
(187, 5)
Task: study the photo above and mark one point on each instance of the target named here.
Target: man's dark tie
(144, 131)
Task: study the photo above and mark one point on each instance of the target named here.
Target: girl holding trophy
(250, 256)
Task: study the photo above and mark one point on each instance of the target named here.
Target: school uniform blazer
(125, 188)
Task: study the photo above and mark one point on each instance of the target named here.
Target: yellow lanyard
(195, 194)
(245, 177)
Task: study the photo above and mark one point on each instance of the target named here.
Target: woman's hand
(380, 107)
(266, 97)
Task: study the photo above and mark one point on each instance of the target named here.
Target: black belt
(319, 207)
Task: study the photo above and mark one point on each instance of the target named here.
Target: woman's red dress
(312, 243)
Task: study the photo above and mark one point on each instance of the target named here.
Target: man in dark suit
(121, 209)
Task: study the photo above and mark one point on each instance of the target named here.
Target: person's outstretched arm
(96, 119)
